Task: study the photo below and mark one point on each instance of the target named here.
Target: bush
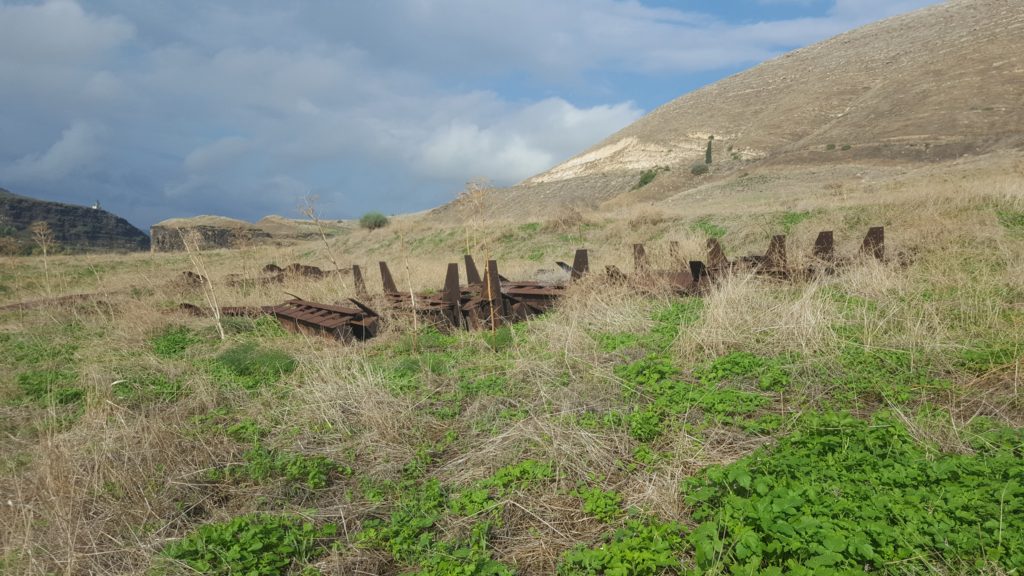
(373, 220)
(699, 169)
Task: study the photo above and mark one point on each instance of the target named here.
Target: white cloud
(520, 142)
(76, 148)
(242, 103)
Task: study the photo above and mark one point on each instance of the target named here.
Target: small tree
(373, 220)
(707, 152)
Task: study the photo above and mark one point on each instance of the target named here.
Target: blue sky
(176, 108)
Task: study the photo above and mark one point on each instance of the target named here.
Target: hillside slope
(75, 228)
(930, 86)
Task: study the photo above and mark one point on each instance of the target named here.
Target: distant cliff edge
(73, 228)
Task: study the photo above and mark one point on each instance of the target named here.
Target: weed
(148, 388)
(879, 374)
(1012, 220)
(408, 536)
(643, 547)
(253, 367)
(251, 544)
(654, 378)
(789, 220)
(668, 321)
(50, 387)
(604, 505)
(710, 229)
(519, 476)
(769, 373)
(247, 430)
(842, 495)
(174, 341)
(986, 357)
(263, 464)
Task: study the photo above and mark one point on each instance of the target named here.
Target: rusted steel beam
(387, 279)
(357, 279)
(716, 256)
(824, 247)
(580, 264)
(472, 274)
(639, 259)
(874, 243)
(338, 322)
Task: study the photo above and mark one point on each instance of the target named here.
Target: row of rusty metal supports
(489, 301)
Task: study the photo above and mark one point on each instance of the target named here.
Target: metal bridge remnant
(490, 300)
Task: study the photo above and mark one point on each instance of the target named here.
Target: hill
(75, 228)
(222, 232)
(921, 89)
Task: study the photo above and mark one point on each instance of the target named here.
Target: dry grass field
(866, 421)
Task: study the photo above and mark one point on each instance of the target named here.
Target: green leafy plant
(789, 220)
(148, 388)
(251, 544)
(373, 221)
(263, 464)
(606, 506)
(699, 169)
(643, 547)
(50, 387)
(769, 373)
(408, 534)
(842, 494)
(174, 341)
(1012, 220)
(251, 366)
(648, 176)
(710, 229)
(519, 476)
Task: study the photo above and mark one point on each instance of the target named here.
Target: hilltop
(222, 232)
(75, 228)
(923, 89)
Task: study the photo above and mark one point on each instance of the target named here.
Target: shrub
(699, 169)
(648, 176)
(373, 220)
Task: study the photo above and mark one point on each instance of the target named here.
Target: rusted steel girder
(338, 322)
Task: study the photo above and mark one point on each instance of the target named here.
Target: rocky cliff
(74, 228)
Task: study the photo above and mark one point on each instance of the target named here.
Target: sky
(240, 108)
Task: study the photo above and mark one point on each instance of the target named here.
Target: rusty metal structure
(338, 322)
(490, 300)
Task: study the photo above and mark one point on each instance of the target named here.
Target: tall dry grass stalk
(191, 240)
(308, 209)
